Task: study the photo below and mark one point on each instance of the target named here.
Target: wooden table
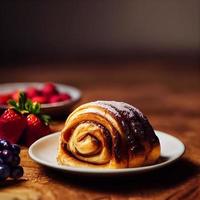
(166, 91)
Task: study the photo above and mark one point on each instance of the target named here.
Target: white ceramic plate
(53, 108)
(44, 151)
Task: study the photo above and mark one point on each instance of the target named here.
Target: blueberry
(15, 149)
(7, 156)
(17, 172)
(15, 161)
(4, 172)
(4, 144)
(1, 161)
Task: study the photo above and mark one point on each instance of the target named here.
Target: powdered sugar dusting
(107, 106)
(120, 106)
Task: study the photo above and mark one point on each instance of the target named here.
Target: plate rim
(83, 170)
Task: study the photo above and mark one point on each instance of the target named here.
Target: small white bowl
(53, 109)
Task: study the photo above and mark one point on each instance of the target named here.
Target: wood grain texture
(167, 92)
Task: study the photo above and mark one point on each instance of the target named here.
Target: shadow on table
(11, 182)
(164, 178)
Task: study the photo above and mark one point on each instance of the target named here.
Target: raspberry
(55, 99)
(64, 96)
(40, 99)
(49, 89)
(32, 92)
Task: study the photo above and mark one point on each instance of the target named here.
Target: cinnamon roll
(107, 134)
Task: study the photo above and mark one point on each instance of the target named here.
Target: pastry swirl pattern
(107, 134)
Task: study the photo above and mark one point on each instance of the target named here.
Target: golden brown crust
(107, 134)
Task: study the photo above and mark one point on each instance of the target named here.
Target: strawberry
(37, 124)
(12, 124)
(36, 129)
(23, 121)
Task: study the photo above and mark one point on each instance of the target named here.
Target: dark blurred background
(56, 31)
(143, 52)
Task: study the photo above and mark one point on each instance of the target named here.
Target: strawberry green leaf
(45, 118)
(22, 100)
(35, 108)
(13, 103)
(26, 106)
